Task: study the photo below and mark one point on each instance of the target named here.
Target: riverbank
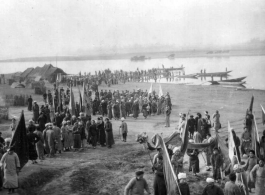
(106, 171)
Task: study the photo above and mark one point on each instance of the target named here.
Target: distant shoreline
(152, 55)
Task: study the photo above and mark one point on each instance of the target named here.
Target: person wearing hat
(191, 126)
(36, 111)
(168, 112)
(11, 167)
(230, 187)
(211, 188)
(159, 184)
(49, 140)
(32, 140)
(124, 129)
(101, 132)
(258, 174)
(217, 163)
(251, 162)
(240, 177)
(183, 187)
(199, 123)
(177, 160)
(137, 185)
(194, 163)
(109, 133)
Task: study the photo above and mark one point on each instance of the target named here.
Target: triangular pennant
(20, 141)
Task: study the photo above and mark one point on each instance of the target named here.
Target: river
(251, 66)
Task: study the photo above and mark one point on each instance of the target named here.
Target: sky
(75, 27)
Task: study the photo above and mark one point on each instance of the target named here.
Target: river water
(251, 66)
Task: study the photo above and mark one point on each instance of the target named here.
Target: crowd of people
(55, 128)
(242, 177)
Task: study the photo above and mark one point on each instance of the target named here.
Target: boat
(171, 69)
(188, 76)
(232, 83)
(214, 74)
(171, 56)
(236, 80)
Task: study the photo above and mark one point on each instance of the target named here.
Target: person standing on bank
(258, 172)
(168, 112)
(11, 166)
(230, 187)
(30, 103)
(183, 185)
(124, 129)
(217, 163)
(109, 133)
(137, 185)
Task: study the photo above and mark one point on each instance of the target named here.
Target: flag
(72, 102)
(59, 101)
(231, 144)
(20, 141)
(80, 100)
(251, 104)
(185, 138)
(263, 115)
(53, 103)
(255, 139)
(83, 95)
(160, 93)
(151, 89)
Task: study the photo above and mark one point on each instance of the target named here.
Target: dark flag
(251, 104)
(80, 100)
(20, 141)
(185, 137)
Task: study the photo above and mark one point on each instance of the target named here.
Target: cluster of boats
(236, 81)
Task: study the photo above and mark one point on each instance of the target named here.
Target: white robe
(10, 163)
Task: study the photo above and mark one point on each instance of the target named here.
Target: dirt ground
(106, 171)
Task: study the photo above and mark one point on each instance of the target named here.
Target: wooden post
(212, 77)
(221, 78)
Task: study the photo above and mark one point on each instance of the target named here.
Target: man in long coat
(58, 136)
(50, 139)
(101, 132)
(109, 133)
(42, 121)
(30, 103)
(36, 111)
(135, 109)
(217, 163)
